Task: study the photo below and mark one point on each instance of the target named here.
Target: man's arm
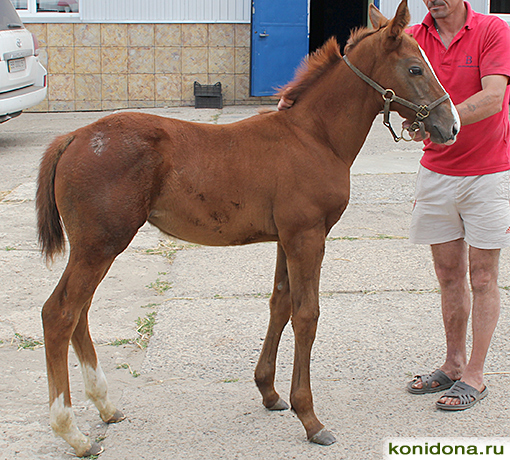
(486, 102)
(479, 106)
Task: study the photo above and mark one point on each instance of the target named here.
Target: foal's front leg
(279, 317)
(304, 257)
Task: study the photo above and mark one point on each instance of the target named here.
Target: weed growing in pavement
(165, 248)
(169, 248)
(150, 305)
(133, 372)
(160, 286)
(26, 343)
(215, 118)
(379, 236)
(144, 330)
(120, 342)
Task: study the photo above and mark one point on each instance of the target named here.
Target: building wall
(165, 11)
(95, 66)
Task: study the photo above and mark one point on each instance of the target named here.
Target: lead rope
(389, 96)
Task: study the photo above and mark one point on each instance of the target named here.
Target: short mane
(311, 68)
(316, 64)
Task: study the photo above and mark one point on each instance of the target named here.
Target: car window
(60, 6)
(9, 19)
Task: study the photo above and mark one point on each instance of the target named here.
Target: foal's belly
(214, 228)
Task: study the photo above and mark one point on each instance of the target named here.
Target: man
(462, 194)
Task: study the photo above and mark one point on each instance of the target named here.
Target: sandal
(438, 376)
(467, 395)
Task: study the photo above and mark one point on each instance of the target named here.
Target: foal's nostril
(455, 129)
(444, 136)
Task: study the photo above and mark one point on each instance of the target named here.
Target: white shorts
(476, 208)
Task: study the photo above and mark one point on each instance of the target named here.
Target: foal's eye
(415, 70)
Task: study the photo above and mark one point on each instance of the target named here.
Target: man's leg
(486, 306)
(450, 263)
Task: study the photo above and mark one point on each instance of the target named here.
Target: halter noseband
(389, 96)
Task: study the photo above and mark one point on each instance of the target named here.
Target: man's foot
(431, 383)
(461, 396)
(471, 380)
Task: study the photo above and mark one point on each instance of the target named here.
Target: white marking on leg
(63, 423)
(96, 388)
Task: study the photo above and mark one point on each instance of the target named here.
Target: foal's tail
(49, 224)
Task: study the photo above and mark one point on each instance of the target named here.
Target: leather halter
(389, 96)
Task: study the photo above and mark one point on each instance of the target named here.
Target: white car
(23, 79)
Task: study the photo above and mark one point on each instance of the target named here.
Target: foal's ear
(376, 17)
(398, 24)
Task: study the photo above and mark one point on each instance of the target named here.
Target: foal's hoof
(323, 437)
(95, 449)
(117, 417)
(280, 405)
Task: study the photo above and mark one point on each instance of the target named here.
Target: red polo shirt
(481, 48)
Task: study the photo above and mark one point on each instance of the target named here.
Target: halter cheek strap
(389, 96)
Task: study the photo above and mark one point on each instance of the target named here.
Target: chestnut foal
(282, 176)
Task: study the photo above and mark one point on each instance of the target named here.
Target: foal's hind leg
(280, 314)
(61, 314)
(96, 387)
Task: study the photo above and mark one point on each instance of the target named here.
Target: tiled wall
(112, 66)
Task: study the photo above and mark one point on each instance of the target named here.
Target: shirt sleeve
(495, 56)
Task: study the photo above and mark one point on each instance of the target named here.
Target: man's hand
(416, 135)
(284, 104)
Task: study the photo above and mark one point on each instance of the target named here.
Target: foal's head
(394, 60)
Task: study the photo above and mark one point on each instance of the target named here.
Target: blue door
(279, 41)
